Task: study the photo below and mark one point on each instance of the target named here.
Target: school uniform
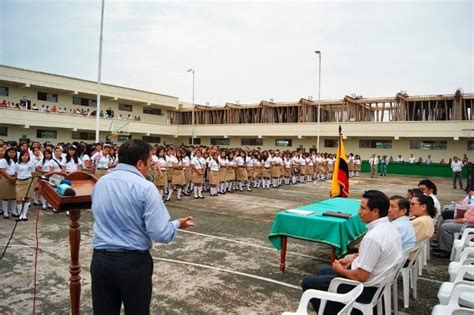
(178, 178)
(169, 167)
(267, 168)
(198, 165)
(56, 165)
(24, 173)
(7, 188)
(258, 166)
(214, 177)
(250, 167)
(242, 174)
(160, 179)
(101, 163)
(84, 158)
(230, 174)
(71, 166)
(222, 169)
(276, 167)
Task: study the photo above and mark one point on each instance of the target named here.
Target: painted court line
(228, 271)
(248, 244)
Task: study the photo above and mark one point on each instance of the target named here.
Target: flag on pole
(340, 175)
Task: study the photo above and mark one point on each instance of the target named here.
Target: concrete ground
(225, 264)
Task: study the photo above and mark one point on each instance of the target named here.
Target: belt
(268, 168)
(22, 180)
(120, 250)
(241, 166)
(102, 169)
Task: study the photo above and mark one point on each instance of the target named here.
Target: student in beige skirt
(223, 161)
(160, 180)
(258, 166)
(230, 174)
(241, 170)
(24, 184)
(179, 180)
(213, 172)
(267, 169)
(8, 182)
(198, 165)
(276, 169)
(170, 157)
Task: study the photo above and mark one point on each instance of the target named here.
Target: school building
(438, 125)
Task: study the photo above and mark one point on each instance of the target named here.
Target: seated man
(379, 250)
(448, 228)
(398, 214)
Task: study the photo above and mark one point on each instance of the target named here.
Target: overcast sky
(248, 51)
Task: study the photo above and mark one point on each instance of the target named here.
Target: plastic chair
(380, 282)
(345, 298)
(424, 255)
(453, 306)
(467, 239)
(409, 276)
(447, 287)
(466, 258)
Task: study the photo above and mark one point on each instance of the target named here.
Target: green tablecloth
(314, 227)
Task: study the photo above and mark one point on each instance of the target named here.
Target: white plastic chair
(447, 287)
(453, 306)
(466, 258)
(409, 276)
(424, 255)
(380, 282)
(345, 298)
(467, 239)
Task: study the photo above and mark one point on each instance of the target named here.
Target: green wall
(416, 169)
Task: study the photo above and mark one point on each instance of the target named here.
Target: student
(24, 184)
(178, 181)
(230, 174)
(258, 165)
(101, 161)
(71, 162)
(8, 182)
(223, 161)
(276, 163)
(44, 167)
(198, 164)
(56, 164)
(242, 175)
(213, 173)
(160, 179)
(267, 169)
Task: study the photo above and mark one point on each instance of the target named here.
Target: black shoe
(179, 198)
(196, 197)
(6, 217)
(441, 254)
(15, 215)
(25, 219)
(201, 197)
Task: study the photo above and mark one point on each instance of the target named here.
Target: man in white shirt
(379, 251)
(398, 214)
(373, 162)
(456, 166)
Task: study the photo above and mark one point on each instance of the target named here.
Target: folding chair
(345, 298)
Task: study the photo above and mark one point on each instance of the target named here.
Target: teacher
(129, 214)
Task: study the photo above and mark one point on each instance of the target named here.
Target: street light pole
(319, 97)
(97, 112)
(192, 114)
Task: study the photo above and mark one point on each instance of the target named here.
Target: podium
(83, 184)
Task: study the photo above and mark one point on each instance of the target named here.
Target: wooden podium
(82, 183)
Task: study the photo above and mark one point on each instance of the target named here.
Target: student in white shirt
(213, 172)
(267, 169)
(160, 179)
(198, 165)
(223, 184)
(258, 166)
(373, 162)
(101, 161)
(230, 173)
(24, 184)
(71, 162)
(178, 180)
(357, 165)
(8, 182)
(242, 175)
(44, 167)
(276, 169)
(56, 163)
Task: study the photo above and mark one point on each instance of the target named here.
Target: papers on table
(302, 212)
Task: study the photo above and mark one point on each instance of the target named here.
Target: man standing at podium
(128, 215)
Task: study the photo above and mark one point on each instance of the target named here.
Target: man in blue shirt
(128, 215)
(398, 214)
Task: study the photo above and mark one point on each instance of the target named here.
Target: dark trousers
(121, 278)
(321, 281)
(457, 177)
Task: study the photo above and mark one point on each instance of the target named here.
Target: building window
(375, 144)
(126, 107)
(283, 142)
(251, 141)
(46, 134)
(83, 135)
(152, 139)
(84, 101)
(49, 97)
(3, 91)
(152, 111)
(196, 141)
(470, 145)
(122, 138)
(220, 141)
(330, 143)
(428, 145)
(4, 131)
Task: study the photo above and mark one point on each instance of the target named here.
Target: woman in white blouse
(24, 186)
(71, 162)
(8, 182)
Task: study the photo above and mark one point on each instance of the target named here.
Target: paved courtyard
(225, 264)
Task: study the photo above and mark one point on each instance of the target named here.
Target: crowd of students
(184, 170)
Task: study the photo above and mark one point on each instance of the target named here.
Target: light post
(319, 97)
(192, 114)
(97, 112)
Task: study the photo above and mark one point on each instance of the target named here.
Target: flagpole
(97, 112)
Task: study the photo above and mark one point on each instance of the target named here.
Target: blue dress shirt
(407, 233)
(129, 212)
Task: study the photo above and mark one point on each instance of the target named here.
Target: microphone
(65, 190)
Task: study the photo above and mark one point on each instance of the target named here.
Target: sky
(248, 51)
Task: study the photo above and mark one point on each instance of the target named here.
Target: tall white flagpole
(97, 113)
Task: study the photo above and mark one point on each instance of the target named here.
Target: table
(336, 232)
